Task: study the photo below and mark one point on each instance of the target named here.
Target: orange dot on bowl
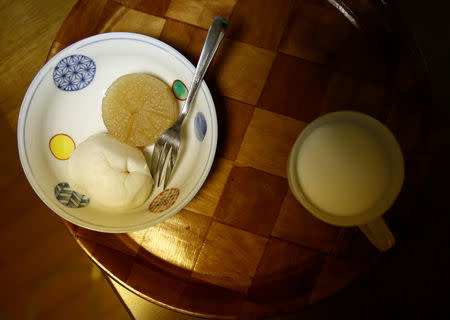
(61, 146)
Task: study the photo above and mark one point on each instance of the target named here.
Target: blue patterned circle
(70, 198)
(200, 126)
(74, 72)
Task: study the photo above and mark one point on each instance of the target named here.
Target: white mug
(347, 169)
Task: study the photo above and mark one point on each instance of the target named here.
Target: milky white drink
(343, 169)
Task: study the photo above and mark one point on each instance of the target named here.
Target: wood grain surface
(244, 247)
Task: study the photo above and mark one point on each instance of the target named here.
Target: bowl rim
(41, 75)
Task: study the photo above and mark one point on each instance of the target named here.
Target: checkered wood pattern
(244, 247)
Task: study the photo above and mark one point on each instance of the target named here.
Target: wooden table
(244, 247)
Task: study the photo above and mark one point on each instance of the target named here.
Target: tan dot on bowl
(137, 108)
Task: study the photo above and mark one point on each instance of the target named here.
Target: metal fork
(166, 149)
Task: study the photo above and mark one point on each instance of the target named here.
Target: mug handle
(379, 234)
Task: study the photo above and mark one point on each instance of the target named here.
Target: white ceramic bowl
(65, 99)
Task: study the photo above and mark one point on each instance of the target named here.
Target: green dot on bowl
(179, 90)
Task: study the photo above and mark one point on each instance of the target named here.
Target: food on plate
(113, 174)
(137, 108)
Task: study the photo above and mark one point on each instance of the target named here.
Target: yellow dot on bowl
(61, 146)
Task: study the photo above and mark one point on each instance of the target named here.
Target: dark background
(412, 279)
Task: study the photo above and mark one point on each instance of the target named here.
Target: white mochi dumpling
(111, 173)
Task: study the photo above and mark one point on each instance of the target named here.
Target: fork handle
(215, 35)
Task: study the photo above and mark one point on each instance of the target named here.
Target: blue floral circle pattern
(74, 72)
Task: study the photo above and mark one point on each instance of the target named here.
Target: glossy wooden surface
(244, 247)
